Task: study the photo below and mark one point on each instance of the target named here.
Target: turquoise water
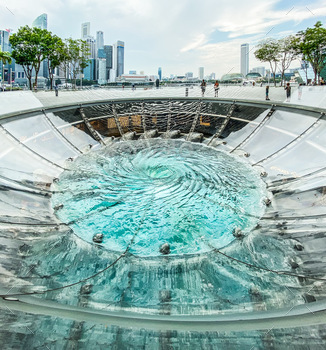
(150, 192)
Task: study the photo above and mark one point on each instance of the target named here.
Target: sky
(178, 35)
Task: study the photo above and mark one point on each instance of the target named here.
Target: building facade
(89, 71)
(189, 75)
(4, 40)
(102, 71)
(260, 70)
(85, 30)
(119, 57)
(108, 52)
(244, 60)
(160, 73)
(201, 73)
(41, 21)
(99, 40)
(91, 46)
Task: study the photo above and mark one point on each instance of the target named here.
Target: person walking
(300, 91)
(56, 90)
(267, 93)
(216, 88)
(203, 87)
(288, 92)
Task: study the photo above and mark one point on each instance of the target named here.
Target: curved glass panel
(264, 286)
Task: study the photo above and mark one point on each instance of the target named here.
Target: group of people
(203, 88)
(287, 89)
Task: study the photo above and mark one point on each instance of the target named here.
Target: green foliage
(288, 53)
(55, 54)
(5, 57)
(312, 46)
(29, 49)
(76, 54)
(269, 51)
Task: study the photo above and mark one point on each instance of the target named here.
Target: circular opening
(159, 197)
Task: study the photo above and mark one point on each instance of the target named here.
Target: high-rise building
(189, 75)
(102, 71)
(4, 40)
(108, 51)
(118, 60)
(260, 70)
(160, 73)
(201, 73)
(41, 21)
(89, 71)
(113, 75)
(99, 40)
(91, 46)
(85, 30)
(244, 59)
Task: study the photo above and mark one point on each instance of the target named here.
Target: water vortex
(159, 191)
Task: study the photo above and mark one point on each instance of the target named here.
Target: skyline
(179, 37)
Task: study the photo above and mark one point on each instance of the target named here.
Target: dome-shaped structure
(232, 78)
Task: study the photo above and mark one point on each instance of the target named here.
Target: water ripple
(192, 194)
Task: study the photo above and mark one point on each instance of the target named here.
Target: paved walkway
(14, 101)
(48, 98)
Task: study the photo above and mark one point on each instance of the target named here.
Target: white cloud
(178, 35)
(198, 41)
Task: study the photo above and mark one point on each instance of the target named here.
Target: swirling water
(150, 192)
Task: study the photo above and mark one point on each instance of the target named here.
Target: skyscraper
(85, 30)
(92, 46)
(102, 71)
(160, 73)
(99, 40)
(201, 73)
(118, 61)
(4, 40)
(244, 59)
(41, 21)
(108, 50)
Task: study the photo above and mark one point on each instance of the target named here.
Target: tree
(269, 51)
(77, 55)
(312, 46)
(288, 53)
(5, 57)
(55, 53)
(29, 50)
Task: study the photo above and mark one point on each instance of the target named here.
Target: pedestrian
(300, 91)
(56, 90)
(203, 87)
(267, 93)
(288, 92)
(216, 88)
